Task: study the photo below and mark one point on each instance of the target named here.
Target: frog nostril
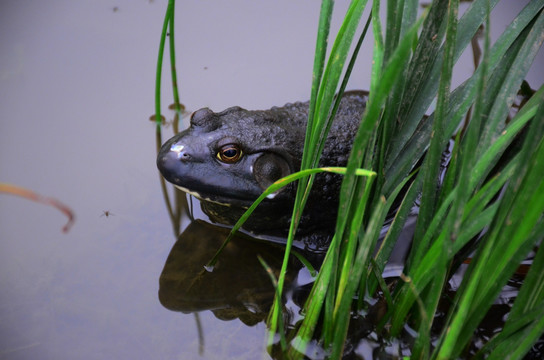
(184, 156)
(180, 151)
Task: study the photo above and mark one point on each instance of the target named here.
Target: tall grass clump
(488, 204)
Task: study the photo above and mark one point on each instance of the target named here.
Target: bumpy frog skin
(227, 159)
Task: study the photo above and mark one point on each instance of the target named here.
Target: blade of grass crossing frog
(319, 61)
(345, 79)
(325, 95)
(333, 252)
(390, 73)
(372, 112)
(275, 187)
(343, 85)
(319, 64)
(306, 183)
(331, 76)
(345, 200)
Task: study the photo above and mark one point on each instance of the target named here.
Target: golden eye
(230, 153)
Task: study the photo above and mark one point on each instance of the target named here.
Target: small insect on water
(107, 213)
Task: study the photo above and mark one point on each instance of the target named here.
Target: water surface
(76, 91)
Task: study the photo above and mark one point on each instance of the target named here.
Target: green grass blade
(370, 118)
(332, 74)
(325, 130)
(421, 273)
(277, 185)
(158, 75)
(523, 324)
(360, 265)
(506, 245)
(532, 291)
(319, 64)
(409, 144)
(425, 70)
(312, 308)
(504, 85)
(397, 226)
(306, 183)
(431, 165)
(530, 328)
(322, 108)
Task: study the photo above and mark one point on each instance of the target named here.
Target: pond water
(76, 91)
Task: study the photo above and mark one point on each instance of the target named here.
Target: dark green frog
(227, 159)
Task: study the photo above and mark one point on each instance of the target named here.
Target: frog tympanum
(227, 159)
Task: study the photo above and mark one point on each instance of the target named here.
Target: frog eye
(230, 153)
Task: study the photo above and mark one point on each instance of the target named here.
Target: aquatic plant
(488, 204)
(410, 70)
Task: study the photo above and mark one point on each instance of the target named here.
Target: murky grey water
(76, 90)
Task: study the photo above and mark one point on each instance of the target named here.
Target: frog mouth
(220, 200)
(223, 200)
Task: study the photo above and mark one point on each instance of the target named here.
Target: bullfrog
(226, 159)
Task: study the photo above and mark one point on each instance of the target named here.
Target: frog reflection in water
(227, 159)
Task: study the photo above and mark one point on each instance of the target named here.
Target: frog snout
(171, 159)
(180, 151)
